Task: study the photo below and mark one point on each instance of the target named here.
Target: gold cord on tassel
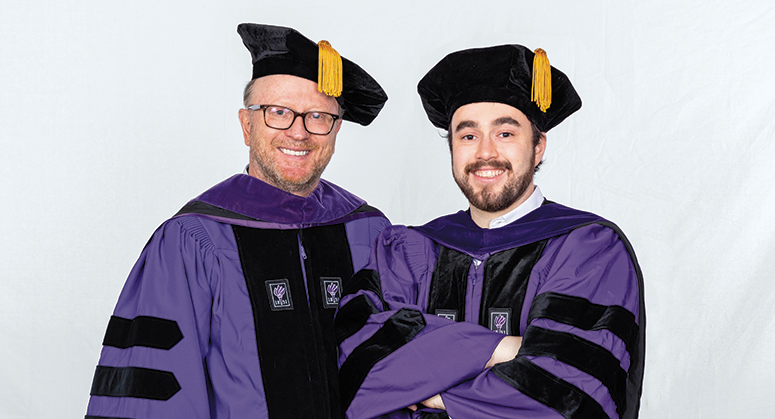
(329, 70)
(541, 91)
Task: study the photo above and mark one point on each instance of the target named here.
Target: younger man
(423, 324)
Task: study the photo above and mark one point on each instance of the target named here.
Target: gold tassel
(541, 91)
(329, 70)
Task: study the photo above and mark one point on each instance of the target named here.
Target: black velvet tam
(280, 50)
(501, 74)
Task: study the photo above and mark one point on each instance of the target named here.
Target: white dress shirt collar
(534, 201)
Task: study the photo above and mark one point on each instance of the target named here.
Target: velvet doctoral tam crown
(280, 50)
(501, 74)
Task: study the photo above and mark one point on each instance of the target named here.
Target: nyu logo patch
(447, 314)
(500, 320)
(332, 291)
(279, 293)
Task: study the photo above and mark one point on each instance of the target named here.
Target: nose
(486, 150)
(297, 130)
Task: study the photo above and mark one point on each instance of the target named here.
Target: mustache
(495, 164)
(309, 145)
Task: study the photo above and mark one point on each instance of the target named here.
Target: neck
(482, 218)
(252, 171)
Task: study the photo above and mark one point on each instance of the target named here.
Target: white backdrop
(114, 114)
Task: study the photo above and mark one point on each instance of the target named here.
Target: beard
(275, 177)
(488, 199)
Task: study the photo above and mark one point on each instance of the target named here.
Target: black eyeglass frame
(303, 116)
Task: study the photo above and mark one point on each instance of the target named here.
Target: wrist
(505, 351)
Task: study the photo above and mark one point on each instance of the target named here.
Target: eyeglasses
(282, 118)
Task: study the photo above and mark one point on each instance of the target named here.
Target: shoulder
(599, 236)
(366, 226)
(584, 244)
(592, 251)
(403, 255)
(402, 242)
(591, 262)
(194, 230)
(594, 232)
(331, 192)
(371, 213)
(587, 227)
(400, 234)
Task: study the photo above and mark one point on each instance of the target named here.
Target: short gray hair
(249, 92)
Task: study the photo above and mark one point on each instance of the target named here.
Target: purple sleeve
(361, 234)
(440, 355)
(169, 285)
(591, 267)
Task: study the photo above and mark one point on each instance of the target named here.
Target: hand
(434, 402)
(505, 351)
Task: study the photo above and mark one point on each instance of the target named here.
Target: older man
(423, 325)
(228, 313)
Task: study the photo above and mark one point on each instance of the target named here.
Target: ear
(338, 126)
(540, 149)
(244, 119)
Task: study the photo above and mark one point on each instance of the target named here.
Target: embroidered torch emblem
(279, 294)
(500, 319)
(332, 291)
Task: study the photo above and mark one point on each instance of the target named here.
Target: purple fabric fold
(254, 198)
(457, 231)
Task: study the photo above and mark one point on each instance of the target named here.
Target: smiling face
(493, 157)
(292, 160)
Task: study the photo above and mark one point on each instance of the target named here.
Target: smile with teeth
(294, 152)
(490, 173)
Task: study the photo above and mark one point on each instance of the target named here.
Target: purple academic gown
(228, 313)
(424, 316)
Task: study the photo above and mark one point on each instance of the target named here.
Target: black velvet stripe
(286, 344)
(560, 395)
(448, 284)
(401, 328)
(367, 280)
(582, 354)
(506, 275)
(150, 332)
(328, 256)
(102, 417)
(296, 347)
(366, 208)
(581, 313)
(352, 316)
(434, 415)
(198, 207)
(141, 383)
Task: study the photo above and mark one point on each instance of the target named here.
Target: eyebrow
(506, 120)
(466, 124)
